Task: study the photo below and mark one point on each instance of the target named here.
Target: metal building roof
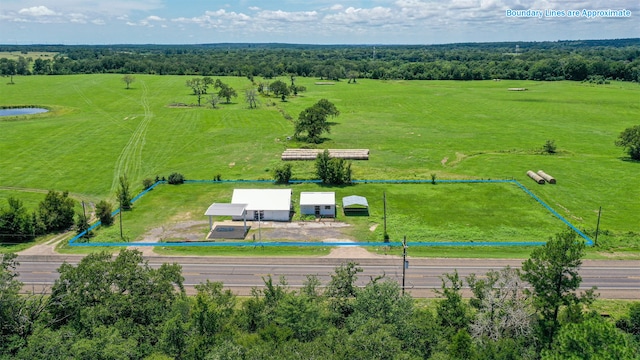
(354, 200)
(318, 198)
(225, 209)
(263, 199)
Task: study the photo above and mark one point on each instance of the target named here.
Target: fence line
(588, 240)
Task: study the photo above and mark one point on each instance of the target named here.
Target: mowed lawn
(98, 131)
(496, 212)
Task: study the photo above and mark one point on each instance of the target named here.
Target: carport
(355, 205)
(225, 209)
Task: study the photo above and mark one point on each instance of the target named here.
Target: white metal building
(264, 204)
(318, 203)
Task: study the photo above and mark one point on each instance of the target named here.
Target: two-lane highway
(614, 279)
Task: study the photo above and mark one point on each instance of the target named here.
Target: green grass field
(97, 130)
(14, 55)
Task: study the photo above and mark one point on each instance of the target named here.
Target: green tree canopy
(225, 91)
(123, 194)
(313, 120)
(128, 79)
(279, 88)
(56, 211)
(16, 224)
(630, 140)
(332, 171)
(552, 272)
(124, 294)
(593, 338)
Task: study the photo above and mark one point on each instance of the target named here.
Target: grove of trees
(54, 213)
(109, 307)
(596, 60)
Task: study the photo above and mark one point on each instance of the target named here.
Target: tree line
(119, 307)
(562, 60)
(54, 213)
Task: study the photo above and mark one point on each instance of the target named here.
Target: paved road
(614, 279)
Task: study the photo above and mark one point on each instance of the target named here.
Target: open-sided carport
(225, 209)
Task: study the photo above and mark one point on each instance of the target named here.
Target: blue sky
(310, 22)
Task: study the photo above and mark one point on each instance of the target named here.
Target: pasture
(97, 130)
(15, 55)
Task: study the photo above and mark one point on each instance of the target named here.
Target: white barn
(264, 204)
(318, 203)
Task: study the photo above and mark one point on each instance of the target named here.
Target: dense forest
(595, 60)
(121, 308)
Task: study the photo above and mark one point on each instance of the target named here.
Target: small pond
(21, 111)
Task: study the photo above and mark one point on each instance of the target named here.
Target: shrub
(82, 224)
(147, 183)
(176, 179)
(282, 174)
(332, 171)
(103, 212)
(549, 147)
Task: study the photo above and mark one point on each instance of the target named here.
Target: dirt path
(46, 248)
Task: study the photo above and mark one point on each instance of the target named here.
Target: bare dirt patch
(267, 230)
(46, 248)
(183, 230)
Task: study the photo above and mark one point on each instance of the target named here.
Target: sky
(80, 22)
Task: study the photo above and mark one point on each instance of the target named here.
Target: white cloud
(77, 18)
(295, 16)
(37, 11)
(223, 14)
(324, 21)
(377, 15)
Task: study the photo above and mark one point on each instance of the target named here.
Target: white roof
(263, 199)
(317, 198)
(224, 209)
(354, 200)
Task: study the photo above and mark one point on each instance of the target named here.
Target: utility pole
(405, 264)
(595, 242)
(121, 237)
(84, 213)
(384, 201)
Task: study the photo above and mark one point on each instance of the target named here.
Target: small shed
(355, 205)
(322, 204)
(264, 204)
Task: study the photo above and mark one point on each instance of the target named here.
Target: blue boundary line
(588, 240)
